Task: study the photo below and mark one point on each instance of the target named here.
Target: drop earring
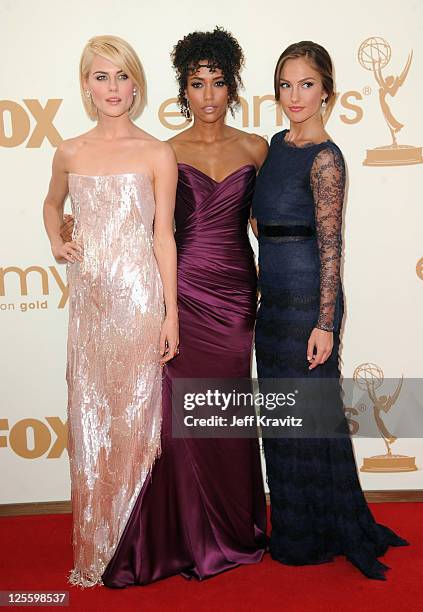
(134, 92)
(88, 93)
(185, 109)
(324, 103)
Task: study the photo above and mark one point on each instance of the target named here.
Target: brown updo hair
(317, 55)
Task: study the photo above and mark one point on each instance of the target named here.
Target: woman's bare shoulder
(256, 142)
(256, 145)
(70, 147)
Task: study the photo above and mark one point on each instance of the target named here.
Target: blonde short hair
(121, 54)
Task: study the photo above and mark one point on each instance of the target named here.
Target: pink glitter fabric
(113, 373)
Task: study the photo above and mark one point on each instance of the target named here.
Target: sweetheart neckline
(211, 178)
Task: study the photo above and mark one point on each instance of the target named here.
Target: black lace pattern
(327, 179)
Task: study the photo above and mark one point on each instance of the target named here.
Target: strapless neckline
(244, 167)
(110, 175)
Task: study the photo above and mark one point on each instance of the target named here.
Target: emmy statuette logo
(374, 54)
(369, 377)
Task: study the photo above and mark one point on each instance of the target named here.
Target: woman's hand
(66, 229)
(169, 339)
(319, 347)
(67, 252)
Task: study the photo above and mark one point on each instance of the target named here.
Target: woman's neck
(113, 128)
(208, 132)
(311, 130)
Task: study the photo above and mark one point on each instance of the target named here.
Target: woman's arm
(259, 150)
(327, 180)
(253, 225)
(53, 210)
(165, 181)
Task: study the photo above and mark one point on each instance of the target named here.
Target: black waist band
(285, 230)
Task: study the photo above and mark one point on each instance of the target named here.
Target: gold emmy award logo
(369, 377)
(374, 54)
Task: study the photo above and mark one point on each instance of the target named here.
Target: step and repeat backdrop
(377, 48)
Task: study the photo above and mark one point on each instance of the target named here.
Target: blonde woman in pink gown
(123, 323)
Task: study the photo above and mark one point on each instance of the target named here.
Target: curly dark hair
(220, 49)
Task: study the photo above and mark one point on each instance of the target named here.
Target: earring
(185, 110)
(324, 104)
(134, 92)
(88, 93)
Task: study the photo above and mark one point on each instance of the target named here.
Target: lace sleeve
(327, 178)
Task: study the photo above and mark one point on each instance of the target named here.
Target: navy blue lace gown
(318, 509)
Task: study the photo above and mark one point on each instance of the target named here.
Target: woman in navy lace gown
(318, 508)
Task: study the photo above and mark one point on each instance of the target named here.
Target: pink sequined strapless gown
(113, 373)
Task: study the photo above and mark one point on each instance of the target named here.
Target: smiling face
(301, 90)
(207, 93)
(112, 90)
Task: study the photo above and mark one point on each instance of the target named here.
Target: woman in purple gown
(203, 509)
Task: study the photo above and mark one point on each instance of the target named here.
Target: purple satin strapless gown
(203, 509)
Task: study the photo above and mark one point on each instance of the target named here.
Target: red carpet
(36, 555)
